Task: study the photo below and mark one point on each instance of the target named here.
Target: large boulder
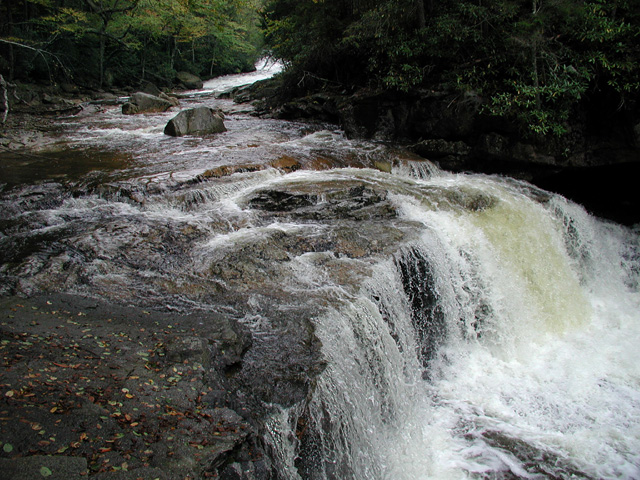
(196, 121)
(189, 80)
(144, 103)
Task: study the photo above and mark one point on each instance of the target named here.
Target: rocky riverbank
(34, 108)
(592, 164)
(93, 389)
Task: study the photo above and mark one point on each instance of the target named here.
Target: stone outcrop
(189, 80)
(171, 374)
(196, 121)
(452, 130)
(141, 102)
(169, 98)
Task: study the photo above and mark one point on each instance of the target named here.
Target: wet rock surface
(339, 201)
(452, 130)
(139, 392)
(196, 121)
(145, 103)
(200, 332)
(89, 388)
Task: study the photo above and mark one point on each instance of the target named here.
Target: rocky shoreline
(93, 389)
(593, 164)
(34, 108)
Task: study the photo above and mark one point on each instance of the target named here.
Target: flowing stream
(466, 326)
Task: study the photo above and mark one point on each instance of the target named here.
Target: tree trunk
(143, 58)
(428, 6)
(12, 60)
(102, 48)
(420, 13)
(4, 98)
(534, 57)
(174, 51)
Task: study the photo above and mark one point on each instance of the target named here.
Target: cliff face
(594, 163)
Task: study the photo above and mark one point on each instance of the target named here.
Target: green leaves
(118, 41)
(532, 61)
(45, 472)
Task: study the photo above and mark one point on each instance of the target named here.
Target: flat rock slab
(44, 466)
(93, 390)
(196, 121)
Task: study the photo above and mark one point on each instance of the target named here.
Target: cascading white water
(536, 372)
(498, 340)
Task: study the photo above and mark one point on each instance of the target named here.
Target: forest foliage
(120, 42)
(531, 61)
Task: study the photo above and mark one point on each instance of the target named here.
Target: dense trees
(531, 60)
(119, 41)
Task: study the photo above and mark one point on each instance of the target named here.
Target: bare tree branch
(38, 51)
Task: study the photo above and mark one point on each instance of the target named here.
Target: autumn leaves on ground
(90, 389)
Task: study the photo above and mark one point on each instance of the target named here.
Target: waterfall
(407, 323)
(501, 343)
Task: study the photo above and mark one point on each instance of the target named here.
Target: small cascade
(416, 169)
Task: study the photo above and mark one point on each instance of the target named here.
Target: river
(408, 323)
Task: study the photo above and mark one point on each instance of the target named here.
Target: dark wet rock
(133, 381)
(144, 473)
(223, 347)
(151, 89)
(278, 201)
(55, 100)
(170, 98)
(196, 121)
(354, 201)
(43, 466)
(319, 107)
(493, 146)
(427, 315)
(69, 88)
(189, 80)
(438, 148)
(144, 103)
(190, 350)
(262, 90)
(538, 462)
